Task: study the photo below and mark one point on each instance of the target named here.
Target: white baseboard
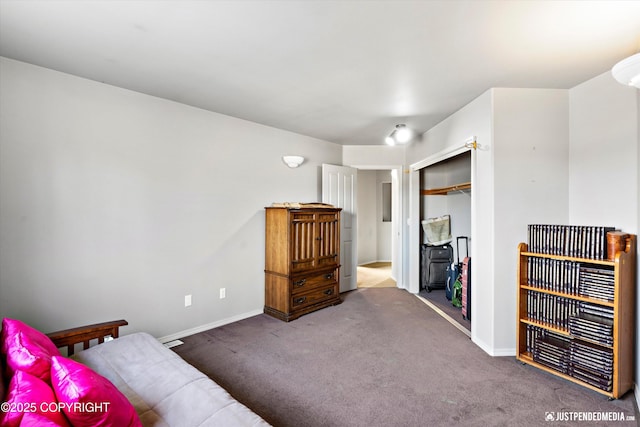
(491, 351)
(485, 347)
(504, 352)
(374, 261)
(208, 326)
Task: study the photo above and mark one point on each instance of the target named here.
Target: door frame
(414, 209)
(397, 246)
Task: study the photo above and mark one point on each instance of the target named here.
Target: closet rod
(446, 190)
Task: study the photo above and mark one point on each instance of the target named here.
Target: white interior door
(339, 188)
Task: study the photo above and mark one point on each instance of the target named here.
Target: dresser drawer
(317, 295)
(304, 284)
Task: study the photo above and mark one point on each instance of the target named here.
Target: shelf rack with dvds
(575, 317)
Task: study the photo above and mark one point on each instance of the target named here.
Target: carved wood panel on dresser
(302, 257)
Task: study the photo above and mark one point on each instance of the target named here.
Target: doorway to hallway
(377, 228)
(375, 275)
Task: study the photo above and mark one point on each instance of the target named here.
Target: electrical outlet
(187, 300)
(223, 293)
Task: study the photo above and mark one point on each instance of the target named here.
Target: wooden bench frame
(84, 334)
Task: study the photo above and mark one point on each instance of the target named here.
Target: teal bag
(456, 294)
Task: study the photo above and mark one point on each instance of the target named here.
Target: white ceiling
(341, 71)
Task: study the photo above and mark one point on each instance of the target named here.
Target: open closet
(445, 197)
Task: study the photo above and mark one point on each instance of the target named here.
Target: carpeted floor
(381, 358)
(375, 275)
(437, 298)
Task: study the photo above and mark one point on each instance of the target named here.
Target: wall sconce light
(293, 161)
(627, 71)
(400, 135)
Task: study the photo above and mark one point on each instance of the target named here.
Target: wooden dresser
(302, 260)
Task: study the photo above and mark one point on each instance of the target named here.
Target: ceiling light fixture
(400, 135)
(627, 71)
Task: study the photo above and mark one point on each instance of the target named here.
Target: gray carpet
(438, 298)
(381, 358)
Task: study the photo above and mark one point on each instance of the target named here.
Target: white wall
(604, 172)
(531, 178)
(603, 187)
(115, 204)
(373, 156)
(519, 176)
(367, 226)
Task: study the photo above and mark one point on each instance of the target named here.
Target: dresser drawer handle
(328, 292)
(300, 283)
(299, 300)
(328, 276)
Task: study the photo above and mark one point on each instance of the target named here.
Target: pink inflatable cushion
(28, 394)
(88, 398)
(33, 419)
(27, 349)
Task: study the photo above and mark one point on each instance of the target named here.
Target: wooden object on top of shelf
(302, 260)
(622, 304)
(446, 190)
(615, 243)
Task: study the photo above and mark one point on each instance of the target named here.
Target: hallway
(375, 275)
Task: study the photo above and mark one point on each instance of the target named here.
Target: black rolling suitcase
(435, 260)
